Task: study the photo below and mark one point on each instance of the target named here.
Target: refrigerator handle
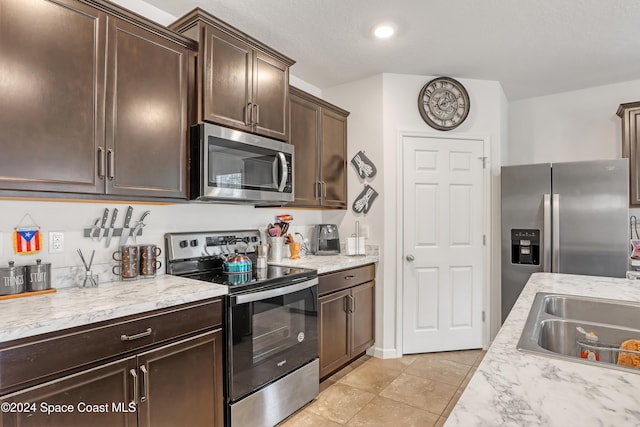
(546, 237)
(555, 217)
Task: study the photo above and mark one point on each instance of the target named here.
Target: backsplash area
(71, 218)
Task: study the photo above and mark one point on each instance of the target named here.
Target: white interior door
(442, 244)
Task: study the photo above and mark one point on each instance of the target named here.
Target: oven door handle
(270, 293)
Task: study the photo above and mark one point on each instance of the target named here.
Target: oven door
(269, 334)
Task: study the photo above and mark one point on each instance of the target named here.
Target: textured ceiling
(533, 47)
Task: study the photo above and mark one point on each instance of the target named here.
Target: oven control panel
(194, 245)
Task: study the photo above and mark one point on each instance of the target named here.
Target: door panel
(334, 162)
(109, 386)
(362, 317)
(51, 95)
(183, 383)
(334, 343)
(227, 80)
(271, 95)
(594, 218)
(443, 223)
(146, 113)
(304, 135)
(523, 189)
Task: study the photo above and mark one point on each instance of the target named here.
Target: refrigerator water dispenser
(525, 246)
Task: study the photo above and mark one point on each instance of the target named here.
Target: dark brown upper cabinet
(93, 100)
(242, 83)
(630, 115)
(318, 130)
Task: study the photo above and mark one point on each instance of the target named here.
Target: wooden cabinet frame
(630, 115)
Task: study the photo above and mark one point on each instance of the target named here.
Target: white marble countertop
(69, 307)
(328, 263)
(514, 388)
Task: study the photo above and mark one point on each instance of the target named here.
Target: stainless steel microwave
(232, 166)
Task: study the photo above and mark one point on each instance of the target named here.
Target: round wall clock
(443, 103)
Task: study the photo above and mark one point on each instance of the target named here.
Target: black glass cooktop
(270, 277)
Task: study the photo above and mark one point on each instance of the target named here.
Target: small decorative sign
(364, 166)
(27, 239)
(363, 202)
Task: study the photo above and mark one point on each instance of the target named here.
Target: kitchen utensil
(95, 230)
(125, 229)
(38, 276)
(12, 280)
(139, 225)
(103, 223)
(111, 225)
(88, 274)
(148, 260)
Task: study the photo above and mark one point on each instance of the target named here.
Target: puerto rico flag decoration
(27, 240)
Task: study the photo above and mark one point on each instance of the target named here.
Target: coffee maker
(325, 240)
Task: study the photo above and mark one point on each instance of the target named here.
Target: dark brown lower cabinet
(177, 384)
(347, 313)
(178, 381)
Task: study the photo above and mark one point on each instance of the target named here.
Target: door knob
(410, 258)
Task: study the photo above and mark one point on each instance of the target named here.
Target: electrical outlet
(56, 242)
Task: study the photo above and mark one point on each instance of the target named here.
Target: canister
(12, 280)
(38, 276)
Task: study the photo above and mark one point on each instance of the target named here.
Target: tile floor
(415, 390)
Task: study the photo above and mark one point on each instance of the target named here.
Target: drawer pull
(135, 385)
(145, 383)
(350, 277)
(136, 336)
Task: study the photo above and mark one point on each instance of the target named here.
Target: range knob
(194, 242)
(184, 243)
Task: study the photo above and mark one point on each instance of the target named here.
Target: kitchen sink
(596, 310)
(552, 328)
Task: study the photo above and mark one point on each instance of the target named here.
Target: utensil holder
(276, 248)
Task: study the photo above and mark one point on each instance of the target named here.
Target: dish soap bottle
(592, 339)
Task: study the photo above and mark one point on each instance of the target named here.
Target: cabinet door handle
(257, 108)
(349, 277)
(100, 162)
(145, 383)
(110, 164)
(324, 184)
(146, 333)
(248, 110)
(353, 303)
(315, 190)
(135, 385)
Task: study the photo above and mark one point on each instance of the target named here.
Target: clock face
(443, 103)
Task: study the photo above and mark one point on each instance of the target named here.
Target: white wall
(568, 126)
(363, 99)
(380, 107)
(72, 217)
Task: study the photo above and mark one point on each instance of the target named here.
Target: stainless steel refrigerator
(564, 218)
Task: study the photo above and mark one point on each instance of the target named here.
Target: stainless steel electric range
(271, 325)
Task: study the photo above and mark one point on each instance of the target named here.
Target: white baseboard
(382, 353)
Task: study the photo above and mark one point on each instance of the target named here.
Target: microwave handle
(284, 170)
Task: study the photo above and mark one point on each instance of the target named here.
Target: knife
(113, 221)
(125, 230)
(104, 222)
(139, 225)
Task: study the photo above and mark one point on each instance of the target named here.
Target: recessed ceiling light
(384, 31)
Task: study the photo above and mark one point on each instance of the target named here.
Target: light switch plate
(56, 242)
